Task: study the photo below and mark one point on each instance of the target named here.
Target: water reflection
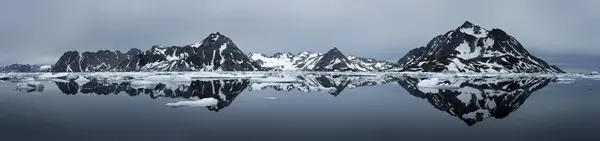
(476, 100)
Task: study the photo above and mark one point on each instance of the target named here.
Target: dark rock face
(25, 68)
(334, 60)
(470, 48)
(103, 60)
(410, 56)
(225, 91)
(216, 52)
(478, 99)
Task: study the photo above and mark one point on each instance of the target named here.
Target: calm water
(523, 109)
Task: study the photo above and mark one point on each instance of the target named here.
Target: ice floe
(196, 103)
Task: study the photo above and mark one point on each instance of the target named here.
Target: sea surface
(516, 110)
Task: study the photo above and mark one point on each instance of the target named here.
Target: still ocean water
(392, 111)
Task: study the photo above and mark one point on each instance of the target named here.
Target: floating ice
(565, 80)
(30, 86)
(82, 80)
(276, 79)
(197, 103)
(53, 75)
(437, 83)
(270, 98)
(142, 84)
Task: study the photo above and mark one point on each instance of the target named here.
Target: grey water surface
(67, 111)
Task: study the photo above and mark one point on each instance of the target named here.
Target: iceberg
(196, 103)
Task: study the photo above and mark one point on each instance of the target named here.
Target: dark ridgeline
(470, 48)
(215, 52)
(486, 97)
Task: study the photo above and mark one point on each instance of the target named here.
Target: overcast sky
(39, 31)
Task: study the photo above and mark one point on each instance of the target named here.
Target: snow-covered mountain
(225, 91)
(103, 60)
(470, 48)
(215, 53)
(477, 99)
(333, 60)
(25, 68)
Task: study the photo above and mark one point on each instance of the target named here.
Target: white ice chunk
(275, 79)
(197, 103)
(143, 84)
(52, 75)
(82, 80)
(565, 80)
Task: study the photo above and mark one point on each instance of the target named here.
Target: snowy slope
(477, 98)
(286, 61)
(471, 48)
(307, 61)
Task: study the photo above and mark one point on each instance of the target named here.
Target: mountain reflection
(225, 91)
(478, 99)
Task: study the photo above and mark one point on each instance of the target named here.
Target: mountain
(103, 60)
(307, 61)
(470, 48)
(215, 53)
(477, 99)
(25, 68)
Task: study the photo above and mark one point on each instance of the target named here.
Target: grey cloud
(35, 31)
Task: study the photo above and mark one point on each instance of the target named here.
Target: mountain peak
(334, 49)
(212, 38)
(467, 24)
